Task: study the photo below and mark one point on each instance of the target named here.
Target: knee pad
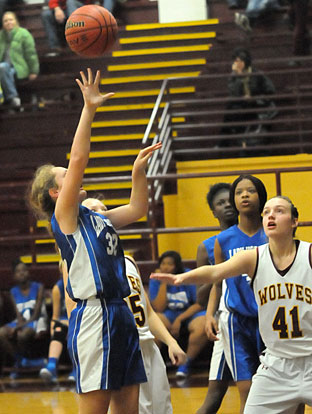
(59, 332)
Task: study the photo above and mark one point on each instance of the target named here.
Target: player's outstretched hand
(167, 278)
(89, 87)
(144, 155)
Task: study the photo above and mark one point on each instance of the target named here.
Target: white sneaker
(15, 102)
(47, 375)
(243, 22)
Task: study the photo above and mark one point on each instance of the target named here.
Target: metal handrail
(154, 112)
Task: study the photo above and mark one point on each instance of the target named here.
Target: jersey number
(137, 310)
(280, 324)
(112, 241)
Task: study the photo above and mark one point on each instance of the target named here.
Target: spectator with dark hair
(247, 85)
(17, 336)
(18, 57)
(254, 10)
(177, 306)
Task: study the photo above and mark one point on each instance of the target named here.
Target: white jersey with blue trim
(94, 257)
(285, 303)
(239, 296)
(136, 301)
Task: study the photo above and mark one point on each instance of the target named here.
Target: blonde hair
(13, 14)
(39, 198)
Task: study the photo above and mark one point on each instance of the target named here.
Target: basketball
(91, 31)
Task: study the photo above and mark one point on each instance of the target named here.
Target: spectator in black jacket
(247, 85)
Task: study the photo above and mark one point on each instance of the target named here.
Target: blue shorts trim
(242, 345)
(103, 344)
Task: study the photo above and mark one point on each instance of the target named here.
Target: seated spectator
(18, 58)
(58, 330)
(176, 305)
(255, 9)
(54, 18)
(17, 337)
(244, 83)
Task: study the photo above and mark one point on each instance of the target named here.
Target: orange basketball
(91, 30)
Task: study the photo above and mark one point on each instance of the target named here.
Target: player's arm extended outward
(242, 262)
(158, 329)
(66, 209)
(138, 205)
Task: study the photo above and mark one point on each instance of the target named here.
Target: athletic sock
(52, 365)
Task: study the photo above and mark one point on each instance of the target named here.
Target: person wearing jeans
(18, 58)
(54, 17)
(254, 10)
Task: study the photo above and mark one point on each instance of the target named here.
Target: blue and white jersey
(238, 295)
(209, 244)
(26, 304)
(178, 297)
(60, 286)
(94, 257)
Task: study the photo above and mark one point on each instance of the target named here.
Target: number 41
(280, 324)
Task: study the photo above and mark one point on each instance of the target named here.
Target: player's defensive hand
(144, 155)
(167, 278)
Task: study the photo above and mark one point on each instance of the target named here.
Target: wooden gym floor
(30, 395)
